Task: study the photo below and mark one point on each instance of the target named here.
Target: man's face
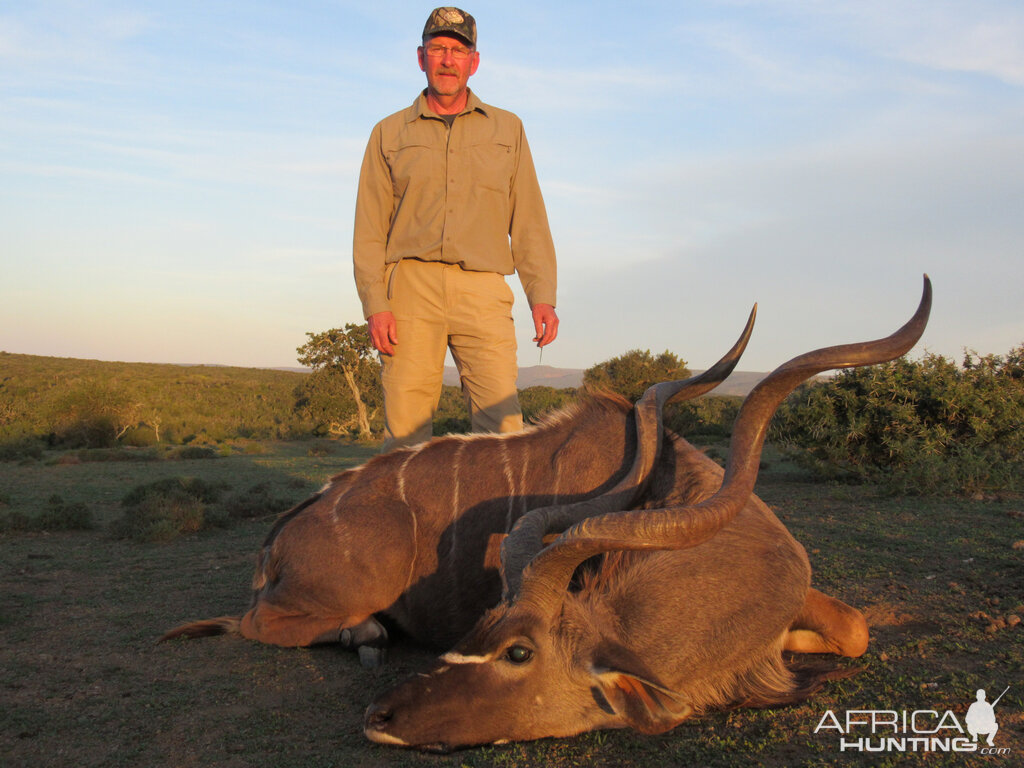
(447, 69)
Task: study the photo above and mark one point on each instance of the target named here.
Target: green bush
(452, 414)
(163, 510)
(62, 516)
(196, 452)
(257, 501)
(13, 521)
(710, 416)
(118, 454)
(630, 374)
(59, 516)
(174, 488)
(21, 449)
(540, 400)
(158, 519)
(929, 426)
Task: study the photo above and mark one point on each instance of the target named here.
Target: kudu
(697, 592)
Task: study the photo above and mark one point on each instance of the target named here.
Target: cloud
(984, 37)
(830, 237)
(124, 25)
(991, 48)
(69, 41)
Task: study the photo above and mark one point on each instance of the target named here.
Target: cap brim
(450, 33)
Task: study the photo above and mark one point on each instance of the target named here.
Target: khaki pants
(439, 306)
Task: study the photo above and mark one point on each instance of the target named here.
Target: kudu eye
(517, 654)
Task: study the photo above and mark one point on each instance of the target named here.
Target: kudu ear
(623, 687)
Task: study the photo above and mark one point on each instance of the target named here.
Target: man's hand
(545, 323)
(383, 332)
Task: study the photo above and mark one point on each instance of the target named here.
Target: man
(448, 204)
(981, 718)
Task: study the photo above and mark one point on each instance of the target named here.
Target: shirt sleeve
(374, 208)
(533, 250)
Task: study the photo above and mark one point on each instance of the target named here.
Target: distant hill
(533, 376)
(73, 403)
(739, 383)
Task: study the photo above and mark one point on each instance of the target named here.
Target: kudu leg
(268, 624)
(827, 625)
(370, 640)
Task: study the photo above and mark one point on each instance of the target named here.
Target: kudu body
(414, 535)
(698, 591)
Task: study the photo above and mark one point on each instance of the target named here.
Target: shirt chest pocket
(412, 163)
(491, 166)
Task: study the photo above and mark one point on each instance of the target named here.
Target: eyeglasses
(440, 51)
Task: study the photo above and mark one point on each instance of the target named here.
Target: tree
(632, 373)
(346, 354)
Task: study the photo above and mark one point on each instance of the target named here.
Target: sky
(177, 179)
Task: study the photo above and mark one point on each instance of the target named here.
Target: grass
(83, 684)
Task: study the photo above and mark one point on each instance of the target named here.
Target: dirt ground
(84, 684)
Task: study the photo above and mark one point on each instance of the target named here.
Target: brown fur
(224, 625)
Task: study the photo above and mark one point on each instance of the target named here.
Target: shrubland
(137, 411)
(916, 426)
(67, 403)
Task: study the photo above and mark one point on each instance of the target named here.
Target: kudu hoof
(370, 657)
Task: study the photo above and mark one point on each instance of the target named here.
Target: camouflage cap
(451, 21)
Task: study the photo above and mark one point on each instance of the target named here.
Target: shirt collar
(420, 108)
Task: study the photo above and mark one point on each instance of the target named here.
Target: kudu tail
(223, 625)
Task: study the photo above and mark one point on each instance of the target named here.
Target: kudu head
(546, 661)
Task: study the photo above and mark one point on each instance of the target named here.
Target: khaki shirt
(467, 195)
